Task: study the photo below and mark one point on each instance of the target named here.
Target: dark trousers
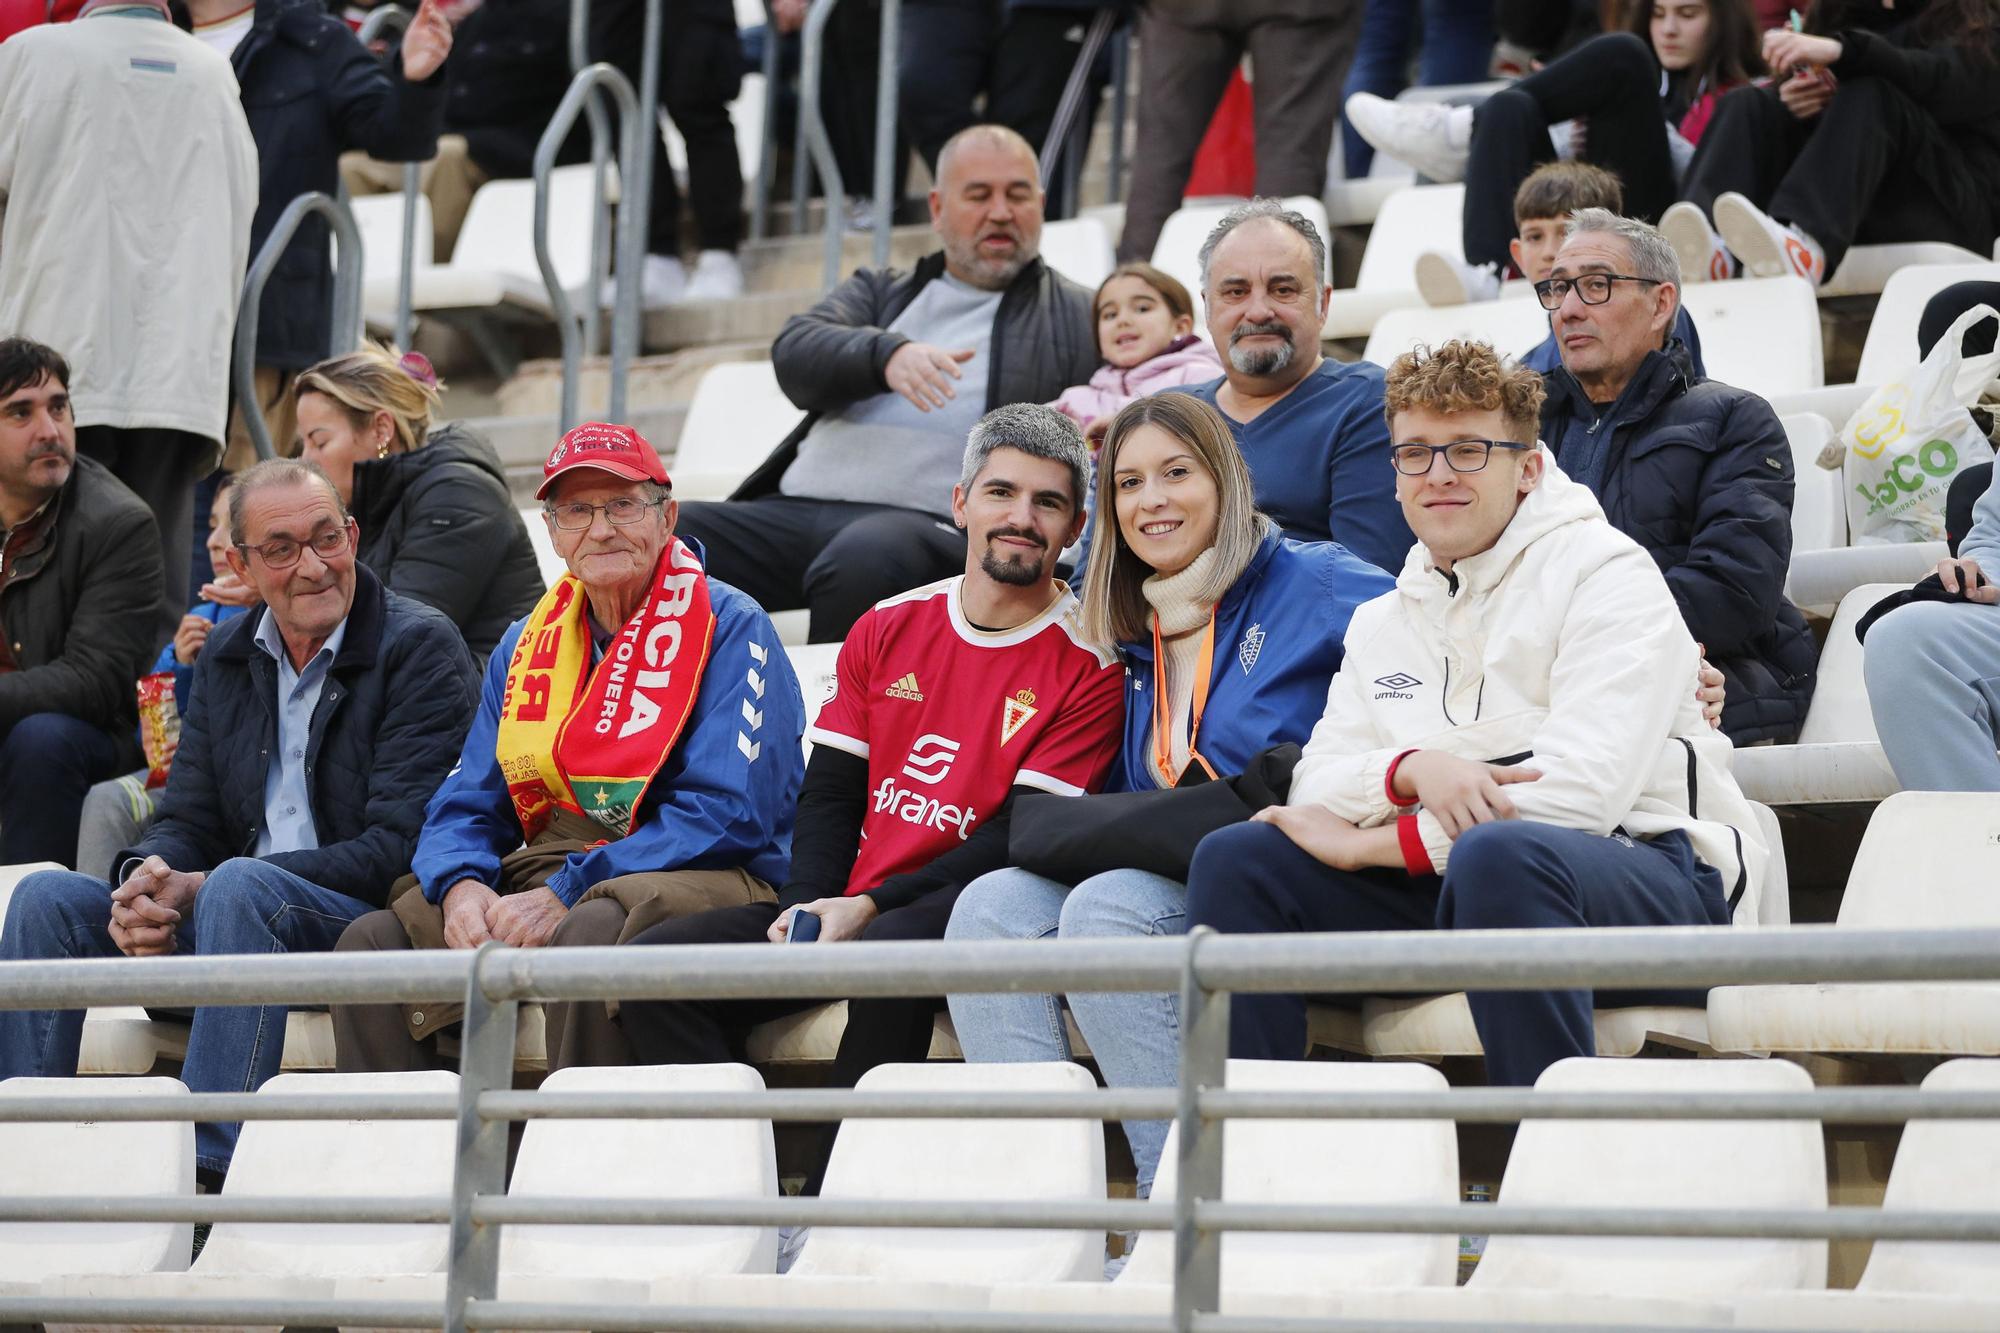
(1251, 878)
(48, 761)
(161, 468)
(1186, 66)
(701, 70)
(1874, 167)
(1019, 56)
(1613, 84)
(1454, 44)
(833, 557)
(698, 1032)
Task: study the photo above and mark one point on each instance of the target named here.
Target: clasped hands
(1459, 793)
(146, 910)
(474, 914)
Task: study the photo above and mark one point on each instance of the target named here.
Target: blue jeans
(245, 906)
(1135, 1038)
(1457, 47)
(47, 762)
(1506, 875)
(1933, 672)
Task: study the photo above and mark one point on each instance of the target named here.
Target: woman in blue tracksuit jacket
(1230, 634)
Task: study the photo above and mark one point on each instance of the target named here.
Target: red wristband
(1389, 780)
(1416, 857)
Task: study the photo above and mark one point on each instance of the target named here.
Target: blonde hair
(1114, 606)
(377, 379)
(1465, 377)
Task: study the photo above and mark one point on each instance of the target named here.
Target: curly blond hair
(1466, 377)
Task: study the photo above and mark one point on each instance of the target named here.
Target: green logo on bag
(1932, 459)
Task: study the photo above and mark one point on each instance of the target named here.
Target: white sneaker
(1444, 279)
(790, 1241)
(1433, 138)
(1703, 256)
(1767, 247)
(661, 283)
(717, 276)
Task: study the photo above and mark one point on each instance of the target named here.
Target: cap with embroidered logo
(619, 450)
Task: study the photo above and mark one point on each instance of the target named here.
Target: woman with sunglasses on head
(436, 520)
(1230, 633)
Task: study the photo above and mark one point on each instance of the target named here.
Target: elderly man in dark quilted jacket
(317, 730)
(893, 370)
(1696, 471)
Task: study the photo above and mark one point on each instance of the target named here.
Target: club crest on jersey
(1014, 714)
(1253, 644)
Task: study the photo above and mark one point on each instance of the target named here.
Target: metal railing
(347, 280)
(382, 22)
(813, 151)
(1203, 968)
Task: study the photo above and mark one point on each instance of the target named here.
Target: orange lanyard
(1163, 722)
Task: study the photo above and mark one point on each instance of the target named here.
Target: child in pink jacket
(1145, 332)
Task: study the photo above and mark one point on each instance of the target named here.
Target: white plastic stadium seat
(946, 1268)
(1929, 859)
(1867, 268)
(1178, 251)
(309, 1041)
(1323, 1161)
(1608, 1280)
(1760, 334)
(813, 664)
(1080, 249)
(379, 218)
(1819, 510)
(1891, 347)
(93, 1159)
(314, 1158)
(546, 559)
(493, 265)
(1512, 326)
(658, 1158)
(1411, 221)
(737, 417)
(1953, 1165)
(1838, 756)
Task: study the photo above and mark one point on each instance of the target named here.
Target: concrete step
(752, 318)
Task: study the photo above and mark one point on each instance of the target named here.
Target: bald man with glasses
(316, 729)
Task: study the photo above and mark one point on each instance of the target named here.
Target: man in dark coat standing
(317, 730)
(893, 370)
(1697, 472)
(79, 597)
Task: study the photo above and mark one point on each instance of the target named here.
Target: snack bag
(159, 725)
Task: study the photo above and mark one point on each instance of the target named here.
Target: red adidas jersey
(950, 718)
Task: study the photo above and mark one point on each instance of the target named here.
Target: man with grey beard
(1311, 429)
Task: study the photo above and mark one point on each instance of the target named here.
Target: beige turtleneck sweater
(1182, 620)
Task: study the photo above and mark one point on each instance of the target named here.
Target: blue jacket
(1319, 462)
(1278, 641)
(388, 721)
(1546, 358)
(724, 800)
(216, 615)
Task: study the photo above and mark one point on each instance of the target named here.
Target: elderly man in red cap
(635, 757)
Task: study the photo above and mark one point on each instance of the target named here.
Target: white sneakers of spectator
(1742, 233)
(1433, 138)
(665, 281)
(1444, 279)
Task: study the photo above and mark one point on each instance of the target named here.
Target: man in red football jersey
(948, 701)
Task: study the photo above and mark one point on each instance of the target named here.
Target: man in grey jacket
(847, 511)
(79, 586)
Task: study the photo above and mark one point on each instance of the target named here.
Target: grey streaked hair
(1266, 207)
(1034, 429)
(1652, 256)
(274, 472)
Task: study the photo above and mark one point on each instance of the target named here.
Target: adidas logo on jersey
(906, 688)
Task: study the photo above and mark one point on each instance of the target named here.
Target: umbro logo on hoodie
(1397, 685)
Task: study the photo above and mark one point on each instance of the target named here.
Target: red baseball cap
(619, 450)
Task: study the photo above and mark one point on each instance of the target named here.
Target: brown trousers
(393, 1037)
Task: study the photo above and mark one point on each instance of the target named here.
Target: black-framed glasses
(575, 516)
(284, 552)
(1415, 460)
(1591, 288)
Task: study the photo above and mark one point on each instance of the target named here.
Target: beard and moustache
(1012, 571)
(1260, 361)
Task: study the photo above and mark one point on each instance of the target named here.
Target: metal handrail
(767, 166)
(633, 146)
(382, 21)
(814, 148)
(347, 280)
(1205, 967)
(1056, 147)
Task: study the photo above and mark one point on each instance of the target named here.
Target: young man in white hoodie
(1512, 740)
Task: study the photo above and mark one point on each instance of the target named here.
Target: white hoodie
(1562, 645)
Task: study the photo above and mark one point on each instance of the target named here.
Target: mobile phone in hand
(804, 928)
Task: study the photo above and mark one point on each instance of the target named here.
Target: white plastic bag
(1911, 437)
